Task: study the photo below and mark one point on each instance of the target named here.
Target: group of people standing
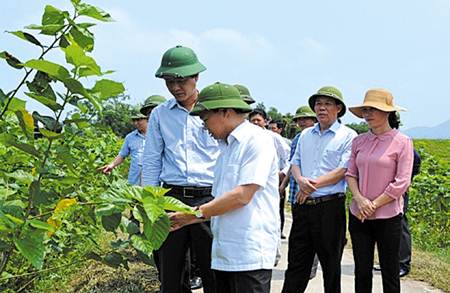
(202, 146)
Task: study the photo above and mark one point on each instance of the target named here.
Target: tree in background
(359, 128)
(116, 114)
(260, 106)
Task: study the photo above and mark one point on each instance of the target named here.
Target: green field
(440, 148)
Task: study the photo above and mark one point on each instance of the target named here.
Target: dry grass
(429, 268)
(97, 277)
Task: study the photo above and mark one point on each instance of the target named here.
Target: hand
(179, 220)
(306, 188)
(365, 208)
(107, 168)
(281, 190)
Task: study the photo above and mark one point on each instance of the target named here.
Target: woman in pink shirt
(378, 174)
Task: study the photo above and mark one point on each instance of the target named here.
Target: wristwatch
(199, 213)
(374, 203)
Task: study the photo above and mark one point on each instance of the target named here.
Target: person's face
(305, 122)
(183, 89)
(326, 110)
(258, 120)
(140, 124)
(374, 117)
(214, 123)
(274, 128)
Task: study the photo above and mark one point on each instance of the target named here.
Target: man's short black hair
(258, 111)
(280, 124)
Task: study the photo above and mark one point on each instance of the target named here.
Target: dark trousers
(404, 255)
(316, 229)
(282, 200)
(243, 282)
(172, 253)
(386, 234)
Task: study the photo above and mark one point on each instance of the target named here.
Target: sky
(283, 51)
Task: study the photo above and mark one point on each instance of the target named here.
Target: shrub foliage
(53, 201)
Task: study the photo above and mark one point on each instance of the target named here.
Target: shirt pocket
(231, 177)
(331, 158)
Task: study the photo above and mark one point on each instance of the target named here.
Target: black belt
(311, 201)
(189, 191)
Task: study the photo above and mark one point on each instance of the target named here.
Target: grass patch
(431, 268)
(99, 278)
(92, 276)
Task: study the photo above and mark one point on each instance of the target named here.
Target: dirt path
(408, 285)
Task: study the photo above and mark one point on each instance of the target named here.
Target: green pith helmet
(136, 113)
(245, 94)
(304, 112)
(179, 62)
(220, 96)
(152, 102)
(331, 92)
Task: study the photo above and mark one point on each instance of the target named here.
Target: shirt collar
(137, 133)
(238, 133)
(383, 136)
(334, 127)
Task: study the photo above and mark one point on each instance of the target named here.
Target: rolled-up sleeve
(352, 169)
(402, 177)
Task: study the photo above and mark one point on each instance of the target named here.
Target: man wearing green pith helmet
(150, 103)
(318, 166)
(133, 146)
(244, 212)
(180, 156)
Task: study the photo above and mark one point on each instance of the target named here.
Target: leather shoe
(283, 236)
(195, 283)
(403, 273)
(377, 268)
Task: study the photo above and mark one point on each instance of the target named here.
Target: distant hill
(441, 131)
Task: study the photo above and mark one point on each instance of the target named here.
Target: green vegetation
(429, 214)
(54, 204)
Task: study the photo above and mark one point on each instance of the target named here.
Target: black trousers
(405, 252)
(243, 282)
(316, 229)
(282, 201)
(386, 234)
(172, 253)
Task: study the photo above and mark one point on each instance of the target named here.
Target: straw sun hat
(379, 99)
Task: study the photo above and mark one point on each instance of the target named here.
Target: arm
(365, 207)
(153, 152)
(230, 201)
(307, 185)
(331, 178)
(107, 168)
(285, 182)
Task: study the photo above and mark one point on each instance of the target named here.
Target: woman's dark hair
(393, 120)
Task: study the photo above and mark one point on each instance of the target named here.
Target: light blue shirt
(246, 239)
(133, 146)
(319, 153)
(177, 149)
